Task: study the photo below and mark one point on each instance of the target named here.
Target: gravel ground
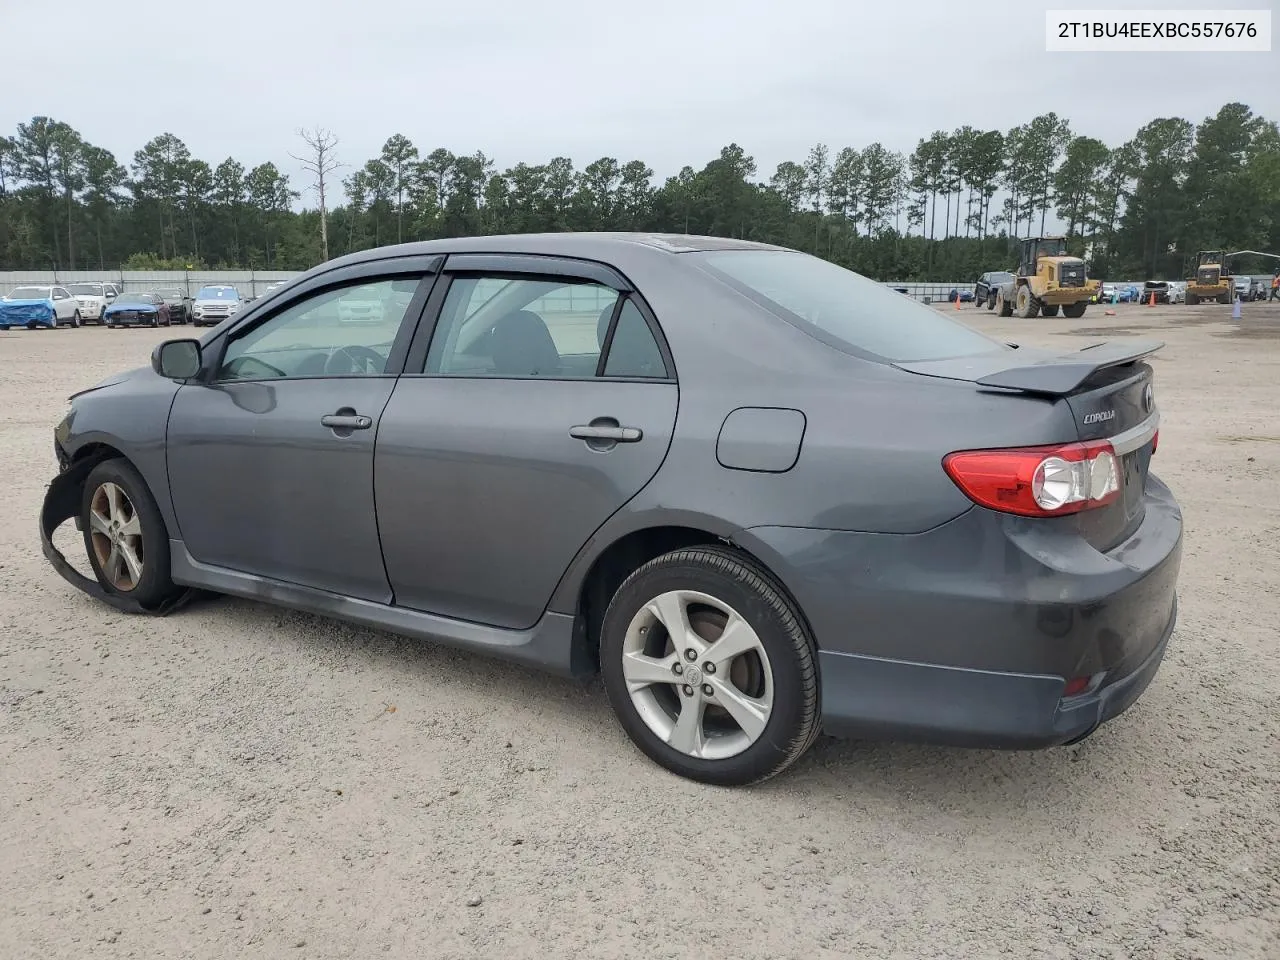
(240, 781)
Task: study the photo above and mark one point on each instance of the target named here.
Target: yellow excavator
(1047, 279)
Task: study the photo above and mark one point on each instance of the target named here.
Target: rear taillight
(1038, 481)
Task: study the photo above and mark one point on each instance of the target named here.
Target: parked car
(984, 291)
(1120, 293)
(1158, 288)
(138, 310)
(178, 302)
(1177, 291)
(545, 451)
(215, 303)
(1259, 288)
(964, 296)
(93, 298)
(39, 306)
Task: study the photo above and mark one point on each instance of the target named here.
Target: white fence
(250, 283)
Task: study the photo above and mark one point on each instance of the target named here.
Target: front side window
(345, 331)
(844, 309)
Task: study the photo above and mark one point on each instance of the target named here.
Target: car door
(270, 455)
(544, 399)
(64, 305)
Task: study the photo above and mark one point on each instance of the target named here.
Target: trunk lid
(1108, 389)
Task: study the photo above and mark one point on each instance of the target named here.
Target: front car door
(271, 455)
(64, 305)
(541, 401)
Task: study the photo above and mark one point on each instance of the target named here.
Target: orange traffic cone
(957, 303)
(1152, 301)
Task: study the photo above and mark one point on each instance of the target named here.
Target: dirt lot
(239, 781)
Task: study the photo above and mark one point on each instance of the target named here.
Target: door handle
(611, 434)
(341, 421)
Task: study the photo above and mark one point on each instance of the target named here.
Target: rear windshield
(845, 309)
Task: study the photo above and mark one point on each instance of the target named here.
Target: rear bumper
(867, 697)
(1065, 296)
(967, 634)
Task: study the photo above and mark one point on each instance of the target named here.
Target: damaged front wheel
(124, 534)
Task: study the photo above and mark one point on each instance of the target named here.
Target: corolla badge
(1101, 416)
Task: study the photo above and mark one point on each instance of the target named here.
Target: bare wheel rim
(698, 674)
(115, 530)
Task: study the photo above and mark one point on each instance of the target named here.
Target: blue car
(33, 307)
(137, 310)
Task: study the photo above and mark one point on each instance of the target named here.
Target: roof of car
(584, 244)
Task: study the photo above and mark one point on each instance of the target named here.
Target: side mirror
(176, 359)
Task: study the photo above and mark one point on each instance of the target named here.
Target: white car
(1177, 291)
(93, 299)
(215, 303)
(38, 306)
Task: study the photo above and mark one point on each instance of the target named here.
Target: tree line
(948, 210)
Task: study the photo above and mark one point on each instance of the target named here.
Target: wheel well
(96, 453)
(619, 560)
(622, 558)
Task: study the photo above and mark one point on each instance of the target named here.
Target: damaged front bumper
(61, 503)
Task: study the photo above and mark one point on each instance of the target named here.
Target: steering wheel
(355, 359)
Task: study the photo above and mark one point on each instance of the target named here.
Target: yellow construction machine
(1047, 279)
(1213, 280)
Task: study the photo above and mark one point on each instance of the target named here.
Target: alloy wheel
(698, 674)
(116, 535)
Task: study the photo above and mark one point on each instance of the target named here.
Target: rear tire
(751, 710)
(1003, 307)
(1192, 299)
(1049, 311)
(124, 534)
(1074, 311)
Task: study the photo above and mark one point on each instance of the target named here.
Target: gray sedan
(762, 495)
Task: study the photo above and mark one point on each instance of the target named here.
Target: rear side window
(844, 309)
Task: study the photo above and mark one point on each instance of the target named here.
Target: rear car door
(542, 398)
(271, 456)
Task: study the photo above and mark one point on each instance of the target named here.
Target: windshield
(1051, 248)
(218, 293)
(85, 289)
(134, 298)
(169, 294)
(844, 309)
(31, 293)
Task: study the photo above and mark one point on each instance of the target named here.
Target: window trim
(427, 281)
(534, 267)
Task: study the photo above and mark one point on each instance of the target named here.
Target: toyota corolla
(763, 495)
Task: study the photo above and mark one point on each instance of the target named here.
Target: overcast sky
(665, 81)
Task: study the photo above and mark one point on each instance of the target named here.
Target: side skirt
(547, 646)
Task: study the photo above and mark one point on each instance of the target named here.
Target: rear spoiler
(1063, 374)
(1050, 374)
